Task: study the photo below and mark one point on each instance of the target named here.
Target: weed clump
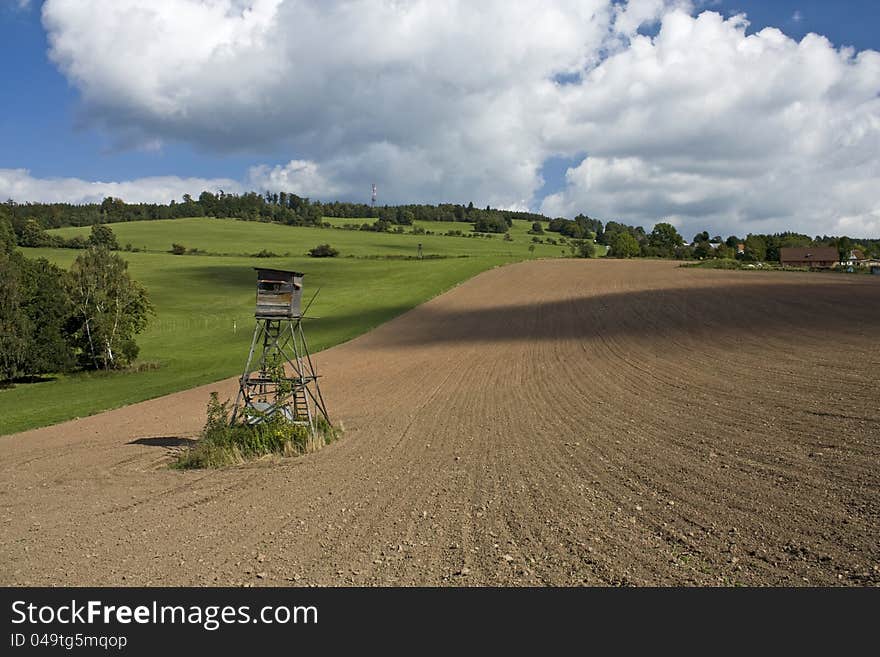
(222, 444)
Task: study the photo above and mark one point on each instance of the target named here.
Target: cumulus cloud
(706, 125)
(21, 186)
(702, 123)
(300, 175)
(444, 94)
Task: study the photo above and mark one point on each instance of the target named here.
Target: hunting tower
(279, 375)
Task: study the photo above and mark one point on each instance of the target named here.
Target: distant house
(856, 258)
(819, 257)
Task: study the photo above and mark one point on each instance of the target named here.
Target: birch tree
(110, 309)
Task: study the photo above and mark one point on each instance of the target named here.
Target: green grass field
(204, 304)
(231, 237)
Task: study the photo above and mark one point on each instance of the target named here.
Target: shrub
(75, 242)
(323, 251)
(103, 236)
(265, 254)
(583, 248)
(178, 249)
(491, 223)
(222, 443)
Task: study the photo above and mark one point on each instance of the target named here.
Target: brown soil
(559, 422)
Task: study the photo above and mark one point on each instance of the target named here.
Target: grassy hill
(231, 237)
(204, 303)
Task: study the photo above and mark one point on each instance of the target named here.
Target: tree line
(664, 241)
(52, 320)
(280, 207)
(31, 220)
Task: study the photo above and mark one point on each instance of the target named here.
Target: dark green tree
(664, 239)
(103, 236)
(7, 234)
(624, 245)
(46, 303)
(491, 222)
(755, 249)
(844, 247)
(34, 314)
(14, 325)
(583, 248)
(724, 252)
(703, 250)
(33, 235)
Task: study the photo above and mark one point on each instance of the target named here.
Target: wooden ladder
(301, 405)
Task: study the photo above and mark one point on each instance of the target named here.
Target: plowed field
(551, 422)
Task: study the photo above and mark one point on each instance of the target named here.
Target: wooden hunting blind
(279, 375)
(279, 293)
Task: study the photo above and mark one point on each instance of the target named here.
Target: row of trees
(52, 320)
(30, 220)
(406, 214)
(281, 208)
(624, 241)
(664, 241)
(274, 207)
(34, 235)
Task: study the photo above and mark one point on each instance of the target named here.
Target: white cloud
(712, 127)
(459, 101)
(443, 93)
(21, 186)
(298, 176)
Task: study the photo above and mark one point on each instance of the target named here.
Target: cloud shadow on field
(748, 309)
(224, 277)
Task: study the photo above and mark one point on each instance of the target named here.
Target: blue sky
(46, 128)
(43, 127)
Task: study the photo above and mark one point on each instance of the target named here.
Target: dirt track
(562, 423)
